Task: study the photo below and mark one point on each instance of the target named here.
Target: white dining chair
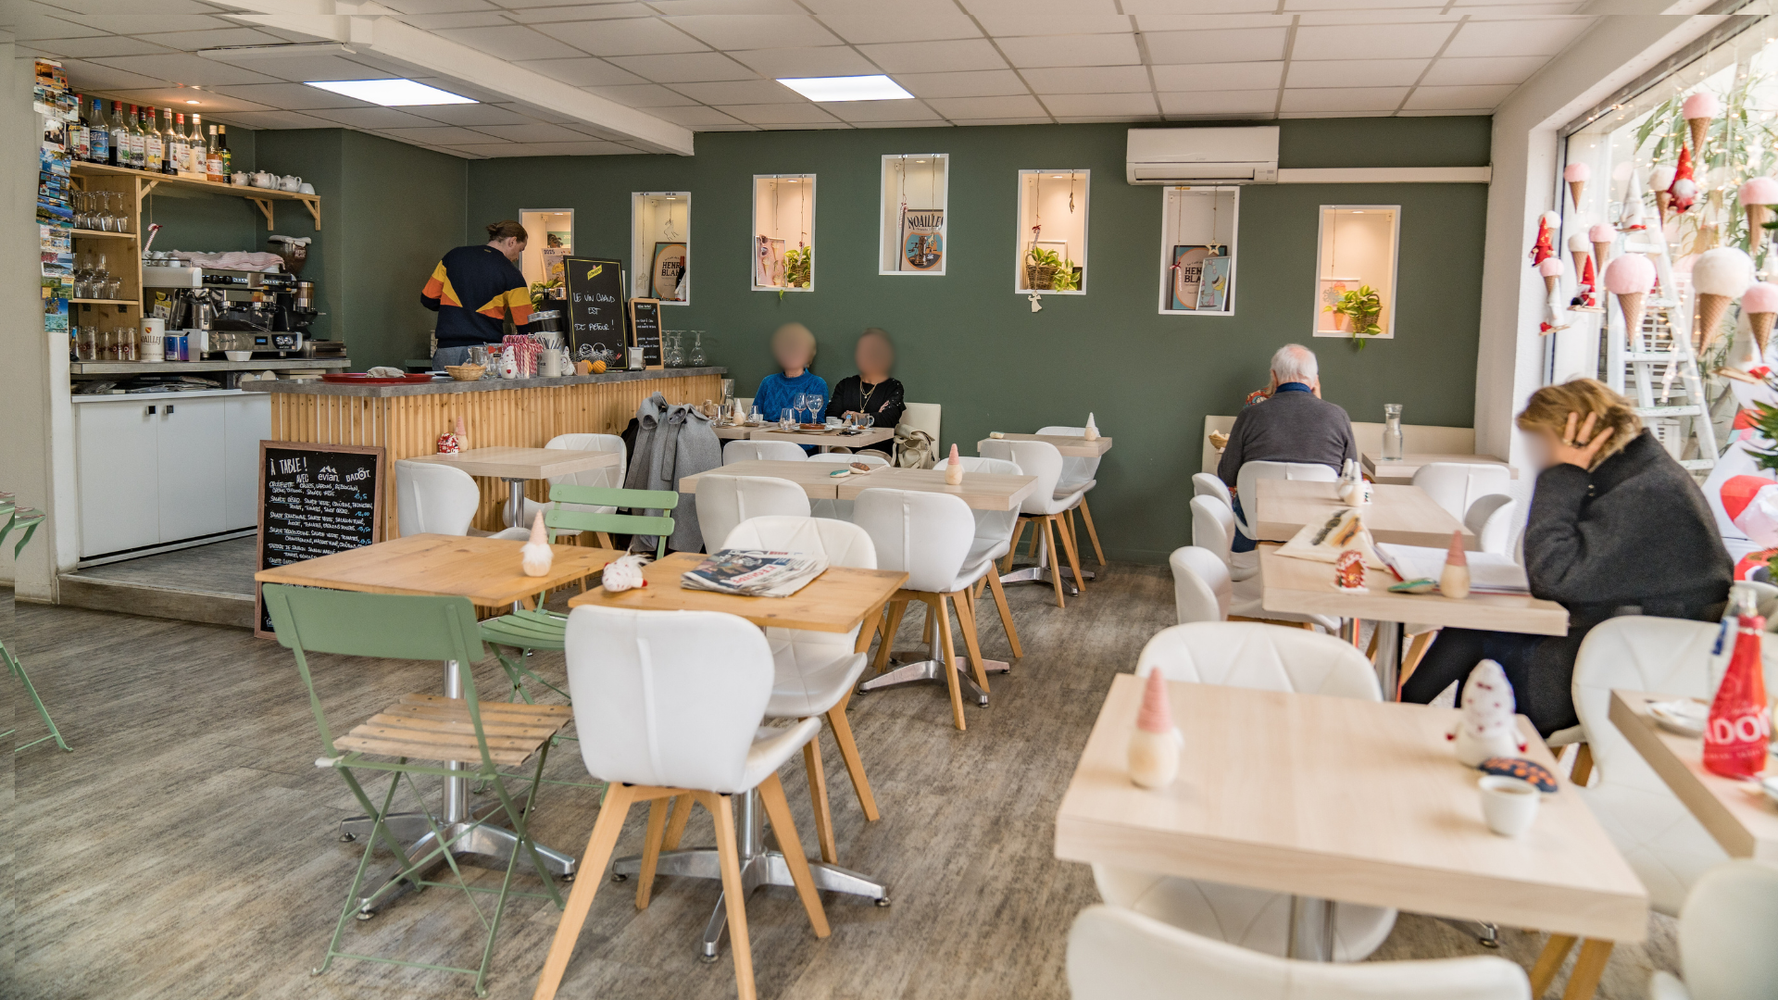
(1491, 519)
(1456, 485)
(1213, 528)
(1201, 590)
(608, 476)
(1252, 472)
(1726, 931)
(436, 499)
(1208, 484)
(762, 451)
(1116, 954)
(725, 501)
(1266, 658)
(669, 703)
(926, 417)
(993, 540)
(1044, 509)
(1078, 472)
(816, 671)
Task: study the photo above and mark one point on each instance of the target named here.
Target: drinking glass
(88, 347)
(113, 287)
(754, 416)
(728, 396)
(121, 219)
(697, 349)
(785, 419)
(98, 276)
(866, 421)
(800, 403)
(815, 411)
(1392, 443)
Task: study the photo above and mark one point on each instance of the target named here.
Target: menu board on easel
(596, 309)
(645, 330)
(314, 500)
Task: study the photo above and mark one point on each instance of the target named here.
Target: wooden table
(980, 490)
(1405, 515)
(1400, 472)
(824, 439)
(1341, 799)
(1071, 446)
(1740, 816)
(516, 465)
(813, 477)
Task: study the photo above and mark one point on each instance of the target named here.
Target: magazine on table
(1489, 572)
(754, 572)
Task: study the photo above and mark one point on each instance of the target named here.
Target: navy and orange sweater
(471, 289)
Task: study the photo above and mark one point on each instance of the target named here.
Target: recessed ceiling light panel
(395, 93)
(847, 88)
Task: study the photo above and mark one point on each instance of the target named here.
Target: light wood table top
(1405, 515)
(524, 463)
(1342, 799)
(813, 477)
(1302, 586)
(1401, 471)
(1069, 445)
(824, 439)
(485, 570)
(732, 432)
(836, 601)
(980, 490)
(1740, 816)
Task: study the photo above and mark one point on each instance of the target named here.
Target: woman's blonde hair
(1549, 407)
(793, 335)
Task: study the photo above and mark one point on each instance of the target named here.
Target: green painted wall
(968, 342)
(197, 221)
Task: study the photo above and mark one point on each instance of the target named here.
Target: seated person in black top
(871, 391)
(1617, 527)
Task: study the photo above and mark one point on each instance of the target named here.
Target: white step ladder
(1662, 348)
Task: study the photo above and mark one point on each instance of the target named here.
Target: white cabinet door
(247, 421)
(115, 463)
(192, 495)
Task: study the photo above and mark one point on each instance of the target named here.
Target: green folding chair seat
(24, 520)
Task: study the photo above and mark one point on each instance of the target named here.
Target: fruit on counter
(599, 367)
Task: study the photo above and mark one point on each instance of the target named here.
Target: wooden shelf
(103, 235)
(104, 302)
(257, 365)
(261, 197)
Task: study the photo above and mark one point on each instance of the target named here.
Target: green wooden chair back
(603, 496)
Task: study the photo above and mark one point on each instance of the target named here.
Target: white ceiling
(709, 65)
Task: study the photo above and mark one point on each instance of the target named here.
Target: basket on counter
(465, 373)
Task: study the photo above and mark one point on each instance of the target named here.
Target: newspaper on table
(754, 572)
(1489, 572)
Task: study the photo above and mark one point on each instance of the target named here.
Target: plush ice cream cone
(1663, 198)
(1762, 329)
(1581, 259)
(1631, 304)
(1577, 175)
(1757, 217)
(1700, 128)
(1719, 276)
(1711, 309)
(1551, 282)
(1760, 303)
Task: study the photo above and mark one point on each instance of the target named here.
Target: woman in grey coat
(1617, 527)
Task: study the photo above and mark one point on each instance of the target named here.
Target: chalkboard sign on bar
(314, 500)
(645, 330)
(596, 309)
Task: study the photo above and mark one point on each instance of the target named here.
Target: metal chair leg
(18, 670)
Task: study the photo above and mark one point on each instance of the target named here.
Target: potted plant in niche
(796, 266)
(1361, 307)
(1040, 268)
(1067, 278)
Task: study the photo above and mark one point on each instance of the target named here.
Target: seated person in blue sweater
(794, 348)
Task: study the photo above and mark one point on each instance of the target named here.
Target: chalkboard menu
(315, 500)
(596, 309)
(645, 330)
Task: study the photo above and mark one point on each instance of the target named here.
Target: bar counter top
(444, 387)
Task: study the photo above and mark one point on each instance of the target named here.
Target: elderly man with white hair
(1293, 424)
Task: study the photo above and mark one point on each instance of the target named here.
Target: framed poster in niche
(660, 244)
(783, 232)
(1198, 230)
(912, 219)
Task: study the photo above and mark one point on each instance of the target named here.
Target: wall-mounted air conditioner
(1202, 155)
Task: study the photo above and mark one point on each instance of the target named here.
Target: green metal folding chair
(529, 630)
(421, 727)
(24, 520)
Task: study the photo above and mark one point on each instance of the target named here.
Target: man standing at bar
(473, 289)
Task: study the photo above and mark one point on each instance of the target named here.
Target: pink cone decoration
(1156, 714)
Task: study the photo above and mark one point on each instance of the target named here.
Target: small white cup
(1509, 805)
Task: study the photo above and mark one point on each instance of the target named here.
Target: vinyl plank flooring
(224, 567)
(188, 847)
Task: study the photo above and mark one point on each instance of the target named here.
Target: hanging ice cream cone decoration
(1756, 198)
(1577, 175)
(1552, 270)
(1659, 180)
(1699, 109)
(1760, 304)
(1719, 276)
(1580, 250)
(1602, 237)
(1629, 277)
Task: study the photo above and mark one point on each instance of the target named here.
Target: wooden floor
(187, 849)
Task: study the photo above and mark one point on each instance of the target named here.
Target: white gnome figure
(625, 574)
(535, 556)
(1487, 728)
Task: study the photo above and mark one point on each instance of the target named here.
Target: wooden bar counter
(407, 420)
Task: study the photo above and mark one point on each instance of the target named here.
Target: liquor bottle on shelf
(213, 164)
(120, 136)
(79, 143)
(181, 148)
(228, 162)
(169, 154)
(98, 136)
(200, 156)
(156, 149)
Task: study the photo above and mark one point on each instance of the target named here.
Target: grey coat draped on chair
(672, 441)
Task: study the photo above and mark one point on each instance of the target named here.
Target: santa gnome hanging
(1682, 194)
(1545, 246)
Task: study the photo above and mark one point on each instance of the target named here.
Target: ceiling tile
(1457, 98)
(1485, 11)
(1209, 22)
(689, 67)
(584, 71)
(372, 118)
(1221, 45)
(911, 9)
(881, 111)
(1072, 50)
(138, 24)
(436, 6)
(1348, 99)
(1543, 37)
(779, 114)
(216, 35)
(694, 117)
(1219, 102)
(987, 107)
(738, 92)
(1005, 26)
(208, 101)
(631, 37)
(863, 29)
(579, 12)
(464, 19)
(1096, 80)
(1481, 72)
(978, 83)
(1100, 105)
(1428, 6)
(471, 115)
(1219, 76)
(532, 133)
(183, 68)
(512, 42)
(1403, 41)
(641, 95)
(273, 119)
(437, 135)
(695, 8)
(1059, 9)
(935, 123)
(755, 31)
(934, 57)
(1355, 72)
(828, 60)
(292, 96)
(1044, 120)
(1144, 9)
(100, 45)
(297, 69)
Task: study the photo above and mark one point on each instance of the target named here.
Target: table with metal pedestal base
(909, 667)
(759, 866)
(1040, 573)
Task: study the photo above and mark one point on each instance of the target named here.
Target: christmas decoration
(1760, 305)
(1719, 277)
(1698, 110)
(1577, 175)
(624, 574)
(1630, 277)
(1544, 248)
(1683, 192)
(1349, 572)
(1634, 214)
(1453, 581)
(1602, 237)
(535, 556)
(1756, 198)
(1552, 270)
(1155, 743)
(1752, 503)
(954, 469)
(1487, 728)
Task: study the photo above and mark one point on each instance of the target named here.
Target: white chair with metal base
(1200, 585)
(669, 703)
(1115, 954)
(993, 540)
(1077, 477)
(1266, 658)
(1207, 484)
(1726, 932)
(1213, 528)
(726, 501)
(762, 451)
(433, 499)
(607, 476)
(1456, 486)
(928, 536)
(1246, 486)
(1045, 510)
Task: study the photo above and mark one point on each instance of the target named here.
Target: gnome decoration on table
(1756, 198)
(1091, 431)
(1155, 743)
(954, 469)
(535, 556)
(1453, 580)
(1577, 175)
(1698, 110)
(1719, 276)
(625, 573)
(1682, 194)
(449, 443)
(1760, 305)
(1487, 728)
(1630, 277)
(1349, 572)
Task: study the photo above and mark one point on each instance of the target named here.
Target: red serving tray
(360, 378)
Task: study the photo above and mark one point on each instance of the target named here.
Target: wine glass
(800, 403)
(815, 411)
(98, 276)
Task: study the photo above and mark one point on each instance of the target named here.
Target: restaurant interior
(950, 613)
